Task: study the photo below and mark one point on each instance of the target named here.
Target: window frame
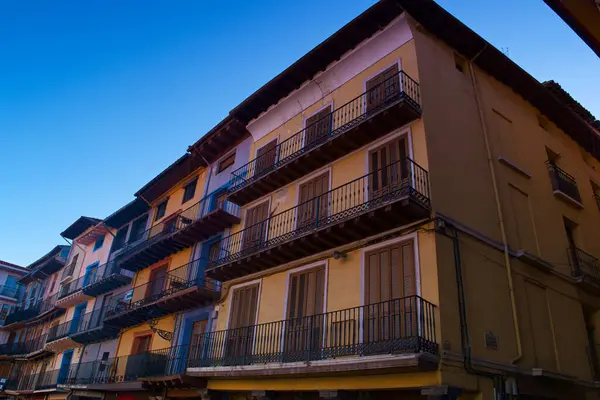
(191, 184)
(158, 209)
(220, 167)
(96, 247)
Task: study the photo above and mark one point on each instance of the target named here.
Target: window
(99, 243)
(214, 251)
(189, 191)
(141, 344)
(226, 162)
(119, 241)
(4, 311)
(265, 157)
(318, 126)
(460, 63)
(383, 88)
(161, 210)
(53, 283)
(103, 361)
(137, 229)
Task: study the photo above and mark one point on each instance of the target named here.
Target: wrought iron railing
(342, 119)
(175, 280)
(69, 269)
(179, 221)
(132, 367)
(92, 276)
(48, 379)
(399, 179)
(400, 325)
(563, 182)
(29, 308)
(22, 382)
(60, 331)
(91, 320)
(22, 348)
(11, 291)
(584, 264)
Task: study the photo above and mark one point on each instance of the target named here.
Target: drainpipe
(490, 159)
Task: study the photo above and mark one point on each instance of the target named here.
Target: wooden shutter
(157, 280)
(256, 225)
(240, 337)
(388, 167)
(383, 87)
(309, 193)
(141, 344)
(265, 157)
(318, 126)
(391, 309)
(304, 326)
(244, 307)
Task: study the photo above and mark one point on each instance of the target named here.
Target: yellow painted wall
(127, 336)
(175, 195)
(344, 284)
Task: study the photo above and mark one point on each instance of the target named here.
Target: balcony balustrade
(391, 104)
(163, 362)
(392, 196)
(405, 325)
(563, 184)
(201, 221)
(30, 309)
(584, 266)
(29, 348)
(91, 328)
(105, 278)
(179, 289)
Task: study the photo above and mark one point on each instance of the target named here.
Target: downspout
(490, 159)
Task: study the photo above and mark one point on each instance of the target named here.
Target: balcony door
(390, 312)
(312, 205)
(65, 364)
(317, 127)
(388, 168)
(383, 88)
(157, 283)
(265, 157)
(256, 225)
(240, 335)
(77, 314)
(138, 360)
(304, 322)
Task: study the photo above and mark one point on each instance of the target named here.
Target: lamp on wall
(162, 333)
(339, 255)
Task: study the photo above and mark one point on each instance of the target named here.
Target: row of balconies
(399, 326)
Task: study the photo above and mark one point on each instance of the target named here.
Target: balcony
(30, 349)
(393, 196)
(375, 113)
(356, 338)
(586, 267)
(11, 292)
(91, 328)
(48, 380)
(59, 339)
(564, 185)
(29, 310)
(180, 289)
(201, 221)
(70, 293)
(152, 366)
(106, 278)
(68, 271)
(21, 383)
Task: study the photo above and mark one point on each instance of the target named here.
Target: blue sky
(97, 97)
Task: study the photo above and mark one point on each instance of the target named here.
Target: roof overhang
(583, 16)
(438, 21)
(168, 178)
(92, 234)
(126, 213)
(79, 226)
(46, 265)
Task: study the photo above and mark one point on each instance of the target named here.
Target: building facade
(402, 213)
